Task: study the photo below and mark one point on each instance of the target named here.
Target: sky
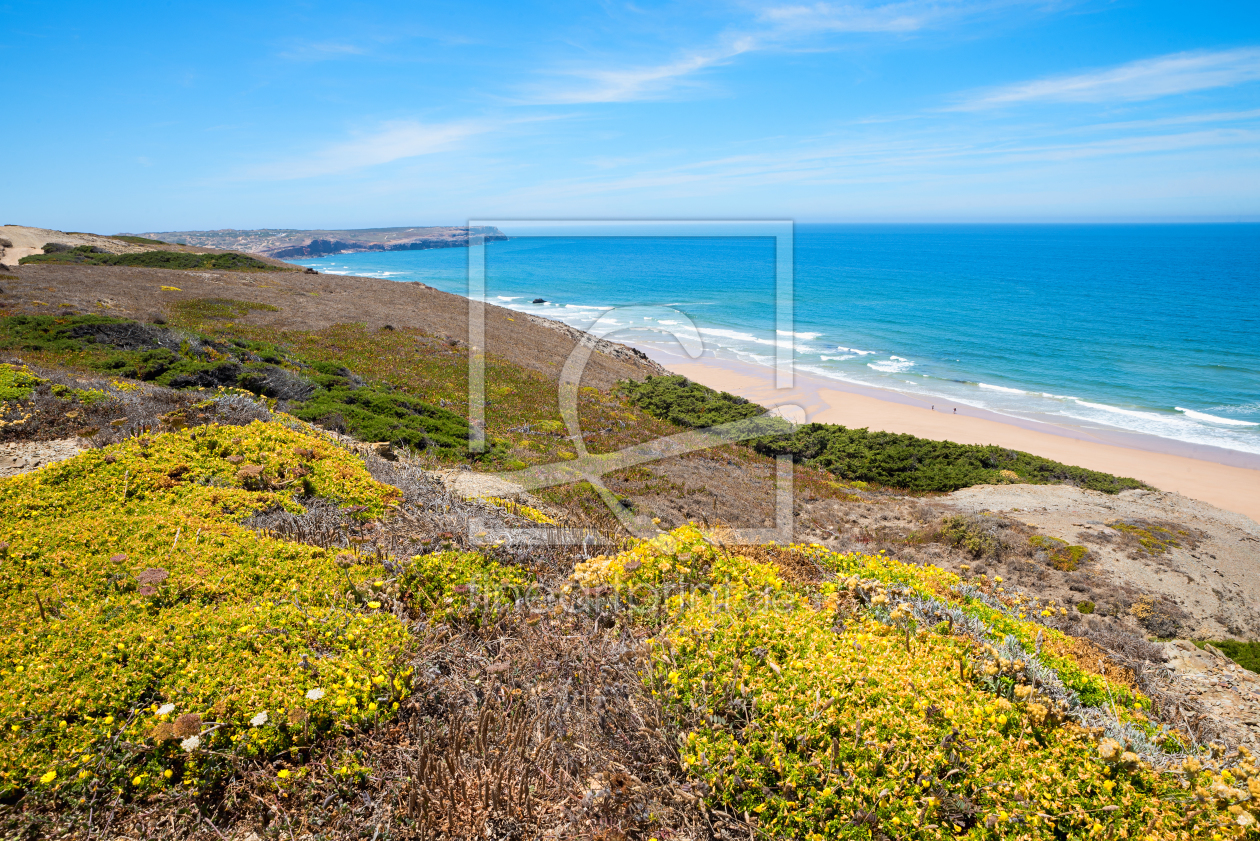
(159, 117)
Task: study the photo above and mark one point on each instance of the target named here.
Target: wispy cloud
(1138, 80)
(848, 17)
(321, 51)
(775, 27)
(391, 142)
(626, 84)
(922, 157)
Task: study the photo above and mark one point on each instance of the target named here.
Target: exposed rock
(24, 456)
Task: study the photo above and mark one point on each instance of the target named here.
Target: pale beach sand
(1223, 478)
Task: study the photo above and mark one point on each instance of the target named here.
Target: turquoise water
(1152, 329)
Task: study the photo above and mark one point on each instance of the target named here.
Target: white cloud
(392, 142)
(777, 27)
(833, 17)
(628, 84)
(876, 158)
(321, 51)
(1138, 80)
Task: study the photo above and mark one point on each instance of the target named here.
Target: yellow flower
(137, 780)
(48, 777)
(284, 774)
(374, 605)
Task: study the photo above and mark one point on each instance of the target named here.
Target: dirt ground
(1213, 575)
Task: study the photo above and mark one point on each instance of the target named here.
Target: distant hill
(283, 243)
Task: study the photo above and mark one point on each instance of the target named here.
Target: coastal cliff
(284, 243)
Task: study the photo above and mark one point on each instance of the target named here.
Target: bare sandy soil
(27, 241)
(1213, 576)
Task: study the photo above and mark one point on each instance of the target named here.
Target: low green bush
(17, 383)
(318, 392)
(462, 586)
(885, 458)
(832, 711)
(968, 535)
(91, 256)
(1245, 654)
(150, 639)
(1063, 557)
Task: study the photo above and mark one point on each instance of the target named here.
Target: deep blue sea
(1145, 328)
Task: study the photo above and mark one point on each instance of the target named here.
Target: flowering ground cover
(150, 640)
(898, 701)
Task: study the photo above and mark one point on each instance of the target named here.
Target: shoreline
(1228, 479)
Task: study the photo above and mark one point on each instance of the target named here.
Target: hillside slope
(273, 628)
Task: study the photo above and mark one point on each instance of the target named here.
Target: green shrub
(372, 413)
(138, 240)
(462, 586)
(826, 715)
(677, 399)
(1245, 654)
(1153, 538)
(885, 458)
(16, 383)
(1086, 607)
(91, 256)
(319, 392)
(132, 602)
(1063, 557)
(969, 535)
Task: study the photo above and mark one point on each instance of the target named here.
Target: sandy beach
(1224, 478)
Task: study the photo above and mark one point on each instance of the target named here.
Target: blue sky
(153, 116)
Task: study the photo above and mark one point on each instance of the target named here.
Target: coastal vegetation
(151, 639)
(321, 392)
(884, 458)
(171, 648)
(87, 255)
(134, 240)
(159, 645)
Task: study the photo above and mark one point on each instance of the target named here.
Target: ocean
(1151, 329)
